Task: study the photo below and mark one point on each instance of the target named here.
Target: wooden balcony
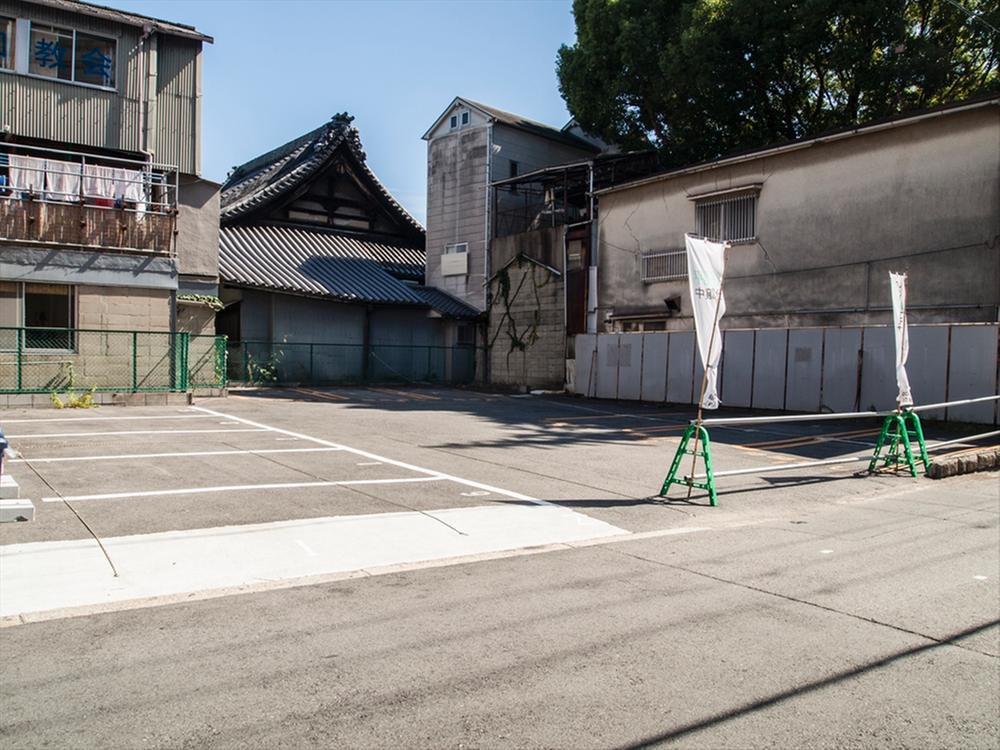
(32, 221)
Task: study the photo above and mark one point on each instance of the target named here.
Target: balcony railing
(52, 197)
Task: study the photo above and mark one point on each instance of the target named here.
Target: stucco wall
(832, 220)
(198, 228)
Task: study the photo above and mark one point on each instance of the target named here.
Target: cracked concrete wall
(832, 220)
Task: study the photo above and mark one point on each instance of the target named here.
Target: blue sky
(279, 69)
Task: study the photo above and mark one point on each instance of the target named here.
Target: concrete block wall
(123, 308)
(543, 363)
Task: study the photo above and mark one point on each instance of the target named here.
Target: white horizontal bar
(104, 419)
(782, 467)
(127, 432)
(846, 415)
(793, 418)
(963, 440)
(236, 488)
(925, 407)
(170, 455)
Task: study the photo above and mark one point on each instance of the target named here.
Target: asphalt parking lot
(437, 568)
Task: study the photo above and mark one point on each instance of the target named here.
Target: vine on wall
(519, 338)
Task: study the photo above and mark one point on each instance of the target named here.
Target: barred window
(664, 266)
(732, 218)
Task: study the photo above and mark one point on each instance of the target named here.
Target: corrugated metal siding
(177, 132)
(41, 108)
(81, 115)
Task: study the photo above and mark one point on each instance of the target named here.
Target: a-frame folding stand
(702, 447)
(897, 438)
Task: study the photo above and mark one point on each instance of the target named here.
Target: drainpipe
(146, 77)
(487, 232)
(592, 302)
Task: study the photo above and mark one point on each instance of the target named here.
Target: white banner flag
(897, 285)
(706, 264)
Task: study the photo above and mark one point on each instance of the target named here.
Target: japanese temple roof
(276, 173)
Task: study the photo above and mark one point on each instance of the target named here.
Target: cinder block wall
(541, 364)
(123, 308)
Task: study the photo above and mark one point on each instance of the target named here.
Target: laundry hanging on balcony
(99, 184)
(129, 187)
(27, 173)
(62, 180)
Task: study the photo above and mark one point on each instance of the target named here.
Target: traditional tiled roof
(444, 303)
(319, 262)
(261, 180)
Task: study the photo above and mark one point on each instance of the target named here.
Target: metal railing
(54, 360)
(287, 363)
(664, 266)
(61, 176)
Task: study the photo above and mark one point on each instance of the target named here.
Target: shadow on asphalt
(748, 708)
(553, 421)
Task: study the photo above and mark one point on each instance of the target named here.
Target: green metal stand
(897, 437)
(704, 450)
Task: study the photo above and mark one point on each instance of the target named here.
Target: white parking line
(237, 488)
(248, 451)
(104, 419)
(383, 459)
(126, 432)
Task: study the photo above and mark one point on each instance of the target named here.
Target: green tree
(701, 78)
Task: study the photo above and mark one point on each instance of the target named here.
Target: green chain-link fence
(271, 362)
(43, 360)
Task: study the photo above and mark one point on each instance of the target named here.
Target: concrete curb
(983, 459)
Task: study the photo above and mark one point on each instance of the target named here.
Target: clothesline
(66, 181)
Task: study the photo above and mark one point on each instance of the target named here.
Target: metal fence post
(135, 361)
(185, 344)
(20, 359)
(312, 379)
(221, 365)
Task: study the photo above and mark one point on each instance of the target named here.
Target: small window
(70, 55)
(458, 247)
(465, 118)
(731, 218)
(454, 121)
(95, 60)
(7, 43)
(51, 52)
(48, 307)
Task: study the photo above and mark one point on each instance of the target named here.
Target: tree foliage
(701, 78)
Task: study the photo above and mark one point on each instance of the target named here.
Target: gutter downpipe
(487, 234)
(592, 302)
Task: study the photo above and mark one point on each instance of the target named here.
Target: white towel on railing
(62, 180)
(27, 173)
(129, 187)
(98, 181)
